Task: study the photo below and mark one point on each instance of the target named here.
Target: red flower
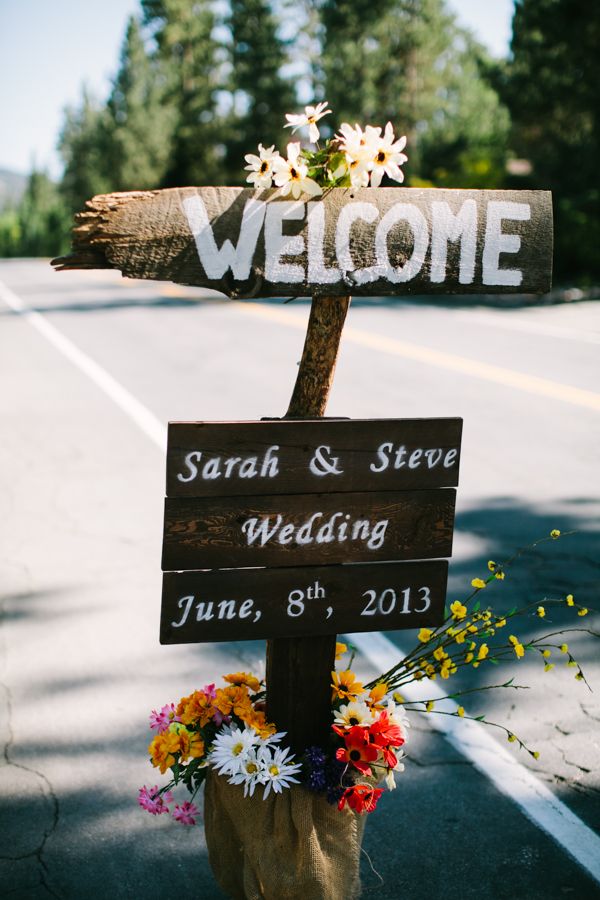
(384, 734)
(361, 798)
(359, 751)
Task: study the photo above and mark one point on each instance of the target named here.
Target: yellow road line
(532, 384)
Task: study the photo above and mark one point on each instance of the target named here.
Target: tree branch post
(299, 669)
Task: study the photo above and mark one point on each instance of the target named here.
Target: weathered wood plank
(248, 604)
(319, 529)
(209, 459)
(369, 241)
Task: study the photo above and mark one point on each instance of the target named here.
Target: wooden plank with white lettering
(248, 604)
(317, 529)
(208, 459)
(368, 241)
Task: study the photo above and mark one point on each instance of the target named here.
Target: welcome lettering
(295, 252)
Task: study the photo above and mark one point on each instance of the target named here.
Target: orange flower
(244, 678)
(345, 686)
(162, 750)
(378, 693)
(190, 744)
(234, 699)
(196, 709)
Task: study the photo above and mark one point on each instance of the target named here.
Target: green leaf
(476, 606)
(480, 718)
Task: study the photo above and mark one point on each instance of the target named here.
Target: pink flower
(150, 800)
(185, 813)
(161, 720)
(210, 691)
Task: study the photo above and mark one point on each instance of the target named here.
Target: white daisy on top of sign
(261, 166)
(291, 174)
(311, 116)
(387, 157)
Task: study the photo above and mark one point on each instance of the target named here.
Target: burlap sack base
(291, 845)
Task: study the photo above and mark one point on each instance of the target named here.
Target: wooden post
(299, 669)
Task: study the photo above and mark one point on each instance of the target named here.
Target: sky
(49, 49)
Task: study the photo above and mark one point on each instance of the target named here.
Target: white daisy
(231, 747)
(387, 158)
(261, 166)
(252, 773)
(311, 116)
(357, 144)
(278, 768)
(355, 713)
(291, 174)
(390, 780)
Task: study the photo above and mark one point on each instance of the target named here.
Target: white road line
(534, 798)
(493, 760)
(143, 418)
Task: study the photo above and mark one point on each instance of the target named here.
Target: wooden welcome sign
(298, 530)
(335, 496)
(368, 241)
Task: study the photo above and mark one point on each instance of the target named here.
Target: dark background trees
(551, 87)
(200, 84)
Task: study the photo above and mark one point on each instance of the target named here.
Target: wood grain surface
(215, 532)
(368, 241)
(248, 604)
(219, 459)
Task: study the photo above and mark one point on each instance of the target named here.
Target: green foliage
(81, 145)
(140, 121)
(551, 87)
(39, 226)
(191, 60)
(410, 64)
(261, 94)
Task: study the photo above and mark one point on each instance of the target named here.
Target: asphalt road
(81, 494)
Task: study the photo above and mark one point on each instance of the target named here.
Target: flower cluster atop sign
(362, 238)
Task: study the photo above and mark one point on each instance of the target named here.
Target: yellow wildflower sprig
(460, 713)
(433, 635)
(488, 687)
(440, 646)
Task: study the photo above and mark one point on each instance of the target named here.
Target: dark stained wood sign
(368, 241)
(295, 530)
(248, 604)
(312, 456)
(345, 499)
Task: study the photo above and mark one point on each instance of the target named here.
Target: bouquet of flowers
(226, 729)
(355, 157)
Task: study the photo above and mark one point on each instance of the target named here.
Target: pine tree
(40, 222)
(552, 92)
(81, 146)
(262, 95)
(140, 121)
(192, 60)
(407, 62)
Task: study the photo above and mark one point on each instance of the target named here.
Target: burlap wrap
(291, 845)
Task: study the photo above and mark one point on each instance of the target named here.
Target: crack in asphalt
(588, 714)
(575, 765)
(39, 851)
